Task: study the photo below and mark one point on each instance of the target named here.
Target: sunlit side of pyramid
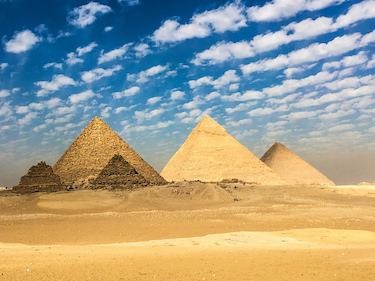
(210, 154)
(292, 168)
(92, 150)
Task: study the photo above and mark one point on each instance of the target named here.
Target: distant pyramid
(210, 154)
(118, 173)
(292, 168)
(92, 150)
(39, 178)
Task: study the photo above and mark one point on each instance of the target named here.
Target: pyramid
(39, 178)
(91, 151)
(118, 173)
(292, 168)
(210, 154)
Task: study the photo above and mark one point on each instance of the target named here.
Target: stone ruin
(118, 174)
(39, 178)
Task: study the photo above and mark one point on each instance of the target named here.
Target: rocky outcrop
(39, 178)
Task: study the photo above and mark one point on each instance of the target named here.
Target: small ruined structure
(119, 174)
(92, 150)
(39, 178)
(210, 154)
(292, 168)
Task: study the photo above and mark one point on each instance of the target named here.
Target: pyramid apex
(209, 125)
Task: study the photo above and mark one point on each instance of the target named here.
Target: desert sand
(190, 231)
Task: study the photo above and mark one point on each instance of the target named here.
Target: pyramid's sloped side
(292, 168)
(118, 173)
(211, 157)
(92, 150)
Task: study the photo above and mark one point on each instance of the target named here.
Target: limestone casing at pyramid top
(292, 168)
(92, 150)
(210, 154)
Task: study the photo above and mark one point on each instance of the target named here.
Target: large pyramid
(210, 154)
(92, 150)
(292, 168)
(118, 173)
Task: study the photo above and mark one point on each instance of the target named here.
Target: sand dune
(188, 231)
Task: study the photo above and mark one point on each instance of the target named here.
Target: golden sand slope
(189, 231)
(210, 154)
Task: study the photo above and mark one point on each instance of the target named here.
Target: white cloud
(99, 73)
(278, 10)
(302, 115)
(123, 108)
(212, 95)
(312, 53)
(261, 112)
(143, 76)
(28, 118)
(294, 31)
(342, 127)
(142, 50)
(73, 59)
(114, 54)
(153, 100)
(241, 107)
(5, 109)
(84, 50)
(239, 122)
(160, 125)
(108, 28)
(177, 95)
(86, 14)
(57, 82)
(360, 11)
(127, 93)
(227, 78)
(3, 66)
(53, 64)
(21, 42)
(84, 96)
(291, 85)
(130, 2)
(197, 100)
(105, 112)
(147, 114)
(248, 95)
(225, 18)
(4, 93)
(350, 82)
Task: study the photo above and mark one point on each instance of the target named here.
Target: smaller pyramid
(39, 178)
(119, 174)
(292, 168)
(210, 154)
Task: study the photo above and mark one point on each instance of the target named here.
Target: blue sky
(300, 72)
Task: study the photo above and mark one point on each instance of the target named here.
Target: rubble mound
(119, 174)
(39, 178)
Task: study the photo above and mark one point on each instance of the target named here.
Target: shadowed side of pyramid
(292, 168)
(92, 150)
(39, 178)
(119, 174)
(210, 154)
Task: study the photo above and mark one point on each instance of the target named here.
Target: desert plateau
(190, 231)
